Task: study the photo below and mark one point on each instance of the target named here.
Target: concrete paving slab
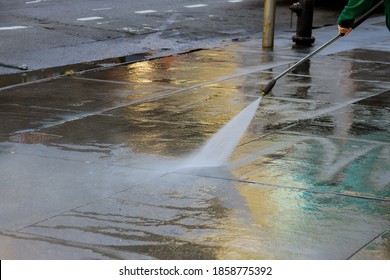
(221, 223)
(138, 138)
(48, 184)
(75, 94)
(346, 166)
(151, 224)
(61, 100)
(21, 118)
(365, 123)
(204, 66)
(20, 246)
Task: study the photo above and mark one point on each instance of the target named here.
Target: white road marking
(32, 2)
(235, 1)
(145, 12)
(89, 18)
(196, 6)
(101, 9)
(13, 27)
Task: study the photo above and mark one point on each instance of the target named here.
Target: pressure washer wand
(361, 19)
(272, 83)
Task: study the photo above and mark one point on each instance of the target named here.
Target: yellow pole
(269, 23)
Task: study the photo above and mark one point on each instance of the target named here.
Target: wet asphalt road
(90, 162)
(49, 33)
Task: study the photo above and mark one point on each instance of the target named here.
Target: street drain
(33, 138)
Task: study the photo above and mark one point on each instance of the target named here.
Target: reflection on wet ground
(52, 73)
(91, 163)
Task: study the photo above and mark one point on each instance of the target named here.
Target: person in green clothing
(354, 9)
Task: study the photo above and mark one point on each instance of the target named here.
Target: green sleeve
(353, 9)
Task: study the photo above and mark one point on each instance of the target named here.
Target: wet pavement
(90, 161)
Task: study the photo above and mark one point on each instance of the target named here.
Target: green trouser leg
(387, 11)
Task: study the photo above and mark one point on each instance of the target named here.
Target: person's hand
(343, 31)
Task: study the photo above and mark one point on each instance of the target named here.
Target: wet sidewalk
(90, 162)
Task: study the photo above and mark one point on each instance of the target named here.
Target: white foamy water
(218, 149)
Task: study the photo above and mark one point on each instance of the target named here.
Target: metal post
(269, 23)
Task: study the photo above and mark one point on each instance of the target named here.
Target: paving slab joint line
(373, 239)
(88, 203)
(33, 82)
(107, 251)
(359, 60)
(118, 82)
(266, 134)
(293, 188)
(81, 72)
(341, 78)
(101, 68)
(97, 162)
(385, 199)
(257, 138)
(336, 138)
(337, 106)
(273, 133)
